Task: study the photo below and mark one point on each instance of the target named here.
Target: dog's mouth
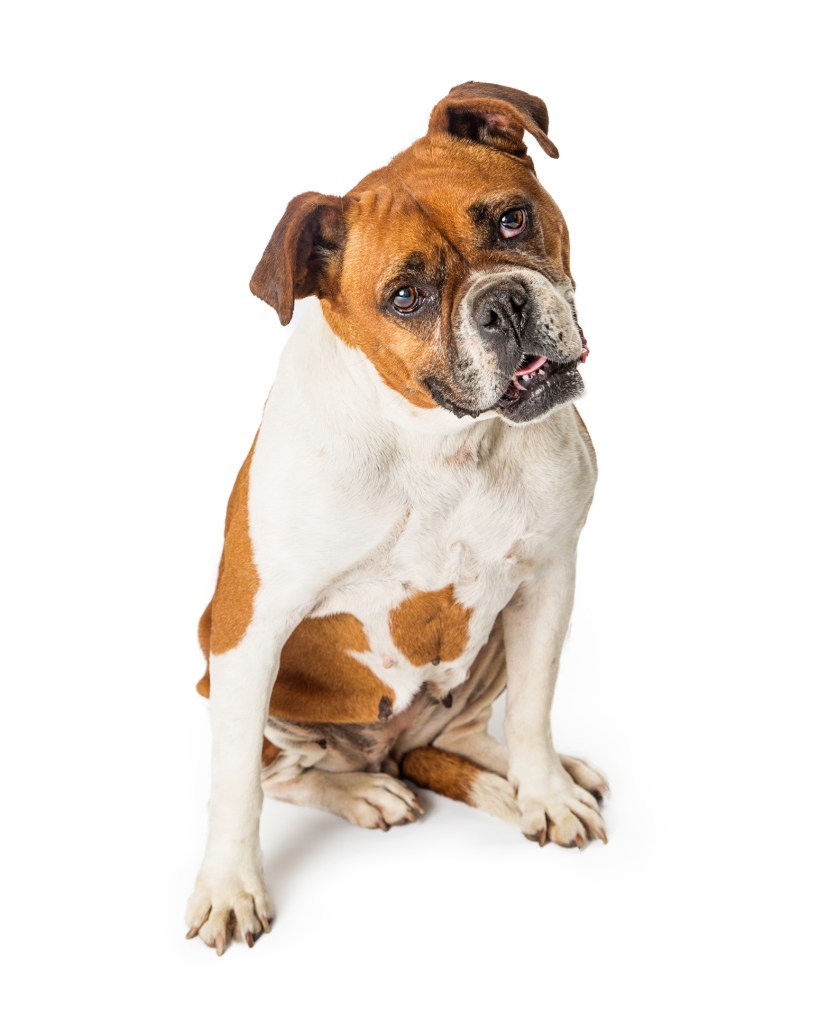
(539, 385)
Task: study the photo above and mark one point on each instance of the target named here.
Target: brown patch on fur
(445, 773)
(385, 223)
(430, 625)
(319, 681)
(232, 605)
(226, 618)
(203, 685)
(269, 752)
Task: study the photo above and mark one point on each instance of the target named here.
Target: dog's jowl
(400, 542)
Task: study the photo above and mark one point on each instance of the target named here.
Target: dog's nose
(501, 311)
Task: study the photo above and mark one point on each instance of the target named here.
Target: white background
(149, 151)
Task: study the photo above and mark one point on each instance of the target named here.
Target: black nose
(500, 311)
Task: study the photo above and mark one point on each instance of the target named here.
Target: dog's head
(448, 268)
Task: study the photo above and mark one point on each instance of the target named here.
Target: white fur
(357, 498)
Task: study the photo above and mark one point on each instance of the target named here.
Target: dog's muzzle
(518, 349)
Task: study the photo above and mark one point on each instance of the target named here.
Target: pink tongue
(531, 367)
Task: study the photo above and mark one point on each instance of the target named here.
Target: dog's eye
(406, 300)
(513, 223)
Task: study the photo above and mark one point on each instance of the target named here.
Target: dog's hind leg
(371, 800)
(452, 775)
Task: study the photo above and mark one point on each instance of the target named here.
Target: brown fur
(494, 115)
(347, 250)
(383, 218)
(226, 618)
(293, 264)
(430, 626)
(318, 680)
(445, 773)
(269, 752)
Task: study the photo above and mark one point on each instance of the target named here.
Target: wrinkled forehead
(391, 236)
(429, 208)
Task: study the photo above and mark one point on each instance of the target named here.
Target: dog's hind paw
(373, 800)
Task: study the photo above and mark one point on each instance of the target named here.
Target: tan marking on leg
(319, 681)
(443, 772)
(430, 626)
(458, 778)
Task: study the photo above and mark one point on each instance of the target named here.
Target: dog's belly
(411, 618)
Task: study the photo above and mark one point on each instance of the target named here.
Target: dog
(400, 543)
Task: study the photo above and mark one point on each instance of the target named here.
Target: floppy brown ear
(300, 257)
(493, 115)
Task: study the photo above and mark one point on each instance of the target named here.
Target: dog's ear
(302, 253)
(493, 115)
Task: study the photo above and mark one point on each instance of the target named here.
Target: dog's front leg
(534, 624)
(230, 891)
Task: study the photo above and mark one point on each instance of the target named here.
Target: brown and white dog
(400, 543)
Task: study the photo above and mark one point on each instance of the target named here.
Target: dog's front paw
(561, 811)
(228, 903)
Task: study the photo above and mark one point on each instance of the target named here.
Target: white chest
(428, 596)
(364, 506)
